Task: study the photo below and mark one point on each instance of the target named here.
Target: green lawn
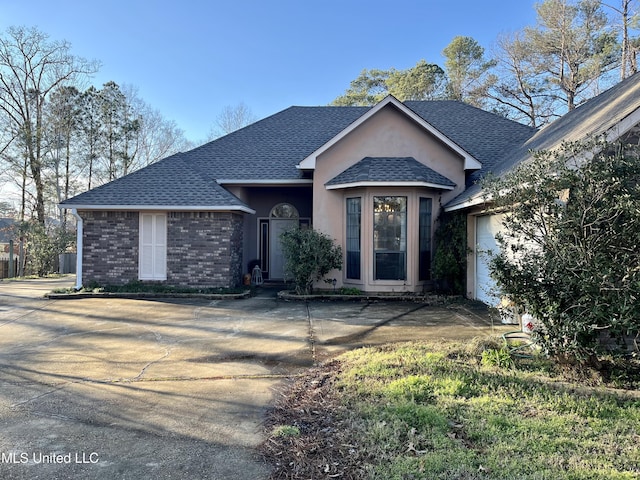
(422, 411)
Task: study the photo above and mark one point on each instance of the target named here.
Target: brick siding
(109, 247)
(204, 249)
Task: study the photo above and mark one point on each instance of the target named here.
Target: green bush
(43, 245)
(570, 249)
(450, 258)
(309, 256)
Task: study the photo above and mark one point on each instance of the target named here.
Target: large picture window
(424, 238)
(390, 238)
(153, 246)
(354, 214)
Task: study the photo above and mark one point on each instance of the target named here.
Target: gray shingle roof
(593, 118)
(390, 169)
(270, 149)
(485, 135)
(169, 182)
(7, 226)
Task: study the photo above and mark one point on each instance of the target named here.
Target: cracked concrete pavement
(119, 388)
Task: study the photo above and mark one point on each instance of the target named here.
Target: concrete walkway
(131, 389)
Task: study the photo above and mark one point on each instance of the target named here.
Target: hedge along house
(613, 115)
(373, 178)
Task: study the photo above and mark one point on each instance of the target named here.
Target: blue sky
(190, 59)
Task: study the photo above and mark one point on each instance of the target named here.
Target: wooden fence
(4, 269)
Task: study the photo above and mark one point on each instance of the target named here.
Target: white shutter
(153, 246)
(160, 248)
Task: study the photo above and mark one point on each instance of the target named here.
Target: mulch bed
(322, 450)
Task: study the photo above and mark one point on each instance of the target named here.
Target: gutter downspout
(79, 231)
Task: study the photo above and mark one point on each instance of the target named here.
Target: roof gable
(470, 162)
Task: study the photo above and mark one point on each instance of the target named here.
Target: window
(390, 238)
(153, 247)
(424, 238)
(284, 210)
(354, 211)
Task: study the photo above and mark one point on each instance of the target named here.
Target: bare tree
(628, 52)
(31, 68)
(155, 137)
(520, 90)
(232, 119)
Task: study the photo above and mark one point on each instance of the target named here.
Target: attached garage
(486, 228)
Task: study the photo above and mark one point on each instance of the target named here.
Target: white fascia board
(472, 202)
(260, 181)
(470, 163)
(167, 208)
(388, 184)
(623, 126)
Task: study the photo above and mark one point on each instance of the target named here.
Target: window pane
(390, 237)
(353, 237)
(424, 239)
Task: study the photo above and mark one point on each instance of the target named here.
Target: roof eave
(339, 186)
(168, 208)
(260, 181)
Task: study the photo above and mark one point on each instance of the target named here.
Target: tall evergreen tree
(468, 71)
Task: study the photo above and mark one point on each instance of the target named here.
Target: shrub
(309, 256)
(570, 249)
(43, 245)
(450, 258)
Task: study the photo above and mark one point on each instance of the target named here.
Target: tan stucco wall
(387, 134)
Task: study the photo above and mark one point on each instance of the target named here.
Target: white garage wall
(487, 227)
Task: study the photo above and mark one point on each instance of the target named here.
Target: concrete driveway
(131, 389)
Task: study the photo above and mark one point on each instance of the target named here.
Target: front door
(276, 257)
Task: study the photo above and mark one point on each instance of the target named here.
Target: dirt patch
(321, 450)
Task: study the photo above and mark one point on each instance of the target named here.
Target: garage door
(486, 229)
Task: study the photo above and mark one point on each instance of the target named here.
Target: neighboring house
(373, 178)
(614, 115)
(7, 233)
(7, 226)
